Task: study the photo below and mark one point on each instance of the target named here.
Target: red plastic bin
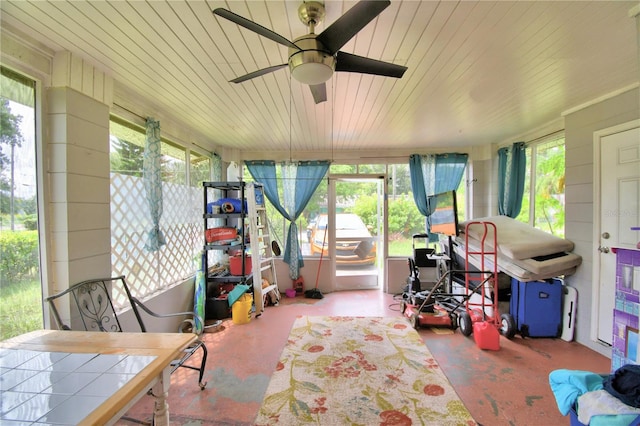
(235, 265)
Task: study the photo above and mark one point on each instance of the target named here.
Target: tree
(126, 157)
(10, 138)
(404, 218)
(549, 211)
(548, 208)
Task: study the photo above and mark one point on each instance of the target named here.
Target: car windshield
(349, 221)
(343, 221)
(321, 222)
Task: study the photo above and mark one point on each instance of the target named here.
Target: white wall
(395, 278)
(580, 126)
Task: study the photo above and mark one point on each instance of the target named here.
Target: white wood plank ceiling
(479, 72)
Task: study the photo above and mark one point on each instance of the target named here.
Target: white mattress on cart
(524, 252)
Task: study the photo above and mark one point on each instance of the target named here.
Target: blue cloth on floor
(568, 385)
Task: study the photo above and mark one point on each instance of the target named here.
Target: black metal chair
(90, 307)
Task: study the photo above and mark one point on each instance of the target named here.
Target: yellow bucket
(241, 309)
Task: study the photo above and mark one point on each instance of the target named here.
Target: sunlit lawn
(401, 248)
(20, 308)
(404, 248)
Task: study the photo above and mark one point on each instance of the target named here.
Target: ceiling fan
(313, 58)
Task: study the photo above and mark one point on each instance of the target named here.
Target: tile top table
(77, 377)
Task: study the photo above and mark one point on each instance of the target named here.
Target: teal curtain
(153, 183)
(417, 183)
(216, 167)
(216, 176)
(299, 182)
(449, 170)
(433, 174)
(512, 164)
(217, 256)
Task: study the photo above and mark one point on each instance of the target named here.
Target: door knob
(603, 249)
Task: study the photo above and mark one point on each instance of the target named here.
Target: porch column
(77, 147)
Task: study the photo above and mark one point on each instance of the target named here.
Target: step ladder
(262, 261)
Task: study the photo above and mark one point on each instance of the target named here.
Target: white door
(619, 212)
(355, 236)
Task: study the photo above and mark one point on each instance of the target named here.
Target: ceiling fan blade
(348, 62)
(256, 28)
(319, 92)
(345, 27)
(257, 73)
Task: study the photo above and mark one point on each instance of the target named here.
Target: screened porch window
(181, 220)
(543, 202)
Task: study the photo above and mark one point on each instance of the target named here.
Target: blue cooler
(536, 307)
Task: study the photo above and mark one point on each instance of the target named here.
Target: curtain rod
(544, 137)
(203, 148)
(144, 119)
(130, 112)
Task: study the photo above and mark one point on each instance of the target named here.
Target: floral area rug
(359, 371)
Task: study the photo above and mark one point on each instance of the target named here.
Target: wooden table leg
(161, 393)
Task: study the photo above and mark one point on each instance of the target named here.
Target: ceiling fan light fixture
(312, 73)
(311, 64)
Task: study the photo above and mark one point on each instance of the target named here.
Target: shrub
(404, 218)
(30, 222)
(18, 255)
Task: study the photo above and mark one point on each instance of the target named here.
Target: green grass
(400, 248)
(404, 248)
(20, 308)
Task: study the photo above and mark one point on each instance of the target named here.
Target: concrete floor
(505, 387)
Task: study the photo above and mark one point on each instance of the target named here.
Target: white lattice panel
(181, 222)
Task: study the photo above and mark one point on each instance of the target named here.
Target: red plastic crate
(235, 265)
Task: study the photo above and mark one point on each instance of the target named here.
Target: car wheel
(466, 326)
(508, 326)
